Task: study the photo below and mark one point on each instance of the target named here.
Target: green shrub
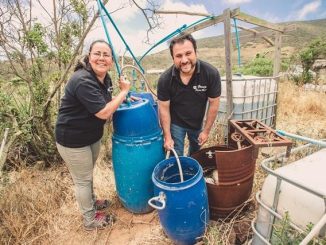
(260, 66)
(283, 233)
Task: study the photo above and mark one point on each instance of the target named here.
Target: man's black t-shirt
(188, 102)
(85, 95)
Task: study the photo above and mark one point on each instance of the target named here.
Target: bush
(260, 66)
(307, 57)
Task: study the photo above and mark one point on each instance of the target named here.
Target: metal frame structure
(257, 103)
(266, 165)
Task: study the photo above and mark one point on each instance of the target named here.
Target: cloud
(133, 26)
(308, 9)
(171, 22)
(236, 2)
(125, 11)
(39, 13)
(271, 17)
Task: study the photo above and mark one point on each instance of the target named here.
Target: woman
(85, 107)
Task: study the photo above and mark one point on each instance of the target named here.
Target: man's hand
(168, 143)
(202, 138)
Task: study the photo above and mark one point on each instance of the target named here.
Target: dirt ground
(129, 228)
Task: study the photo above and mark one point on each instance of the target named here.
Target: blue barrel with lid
(149, 96)
(137, 146)
(136, 119)
(182, 206)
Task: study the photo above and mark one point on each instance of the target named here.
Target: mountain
(211, 49)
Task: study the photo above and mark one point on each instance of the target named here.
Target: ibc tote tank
(137, 146)
(253, 98)
(304, 205)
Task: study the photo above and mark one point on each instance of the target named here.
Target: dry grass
(301, 112)
(32, 203)
(38, 206)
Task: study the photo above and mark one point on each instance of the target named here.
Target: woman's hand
(134, 98)
(124, 84)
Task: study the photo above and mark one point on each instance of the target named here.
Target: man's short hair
(181, 39)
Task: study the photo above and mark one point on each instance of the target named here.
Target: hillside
(212, 48)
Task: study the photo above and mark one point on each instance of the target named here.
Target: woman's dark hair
(99, 41)
(181, 39)
(84, 61)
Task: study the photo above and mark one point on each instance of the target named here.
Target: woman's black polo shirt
(188, 102)
(85, 95)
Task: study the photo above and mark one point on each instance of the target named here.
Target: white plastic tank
(253, 98)
(303, 206)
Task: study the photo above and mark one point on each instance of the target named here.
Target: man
(183, 91)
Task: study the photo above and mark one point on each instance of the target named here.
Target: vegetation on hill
(211, 49)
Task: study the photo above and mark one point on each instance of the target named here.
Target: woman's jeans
(81, 163)
(178, 135)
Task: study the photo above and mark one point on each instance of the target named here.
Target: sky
(133, 26)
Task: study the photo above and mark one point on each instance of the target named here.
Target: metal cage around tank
(253, 98)
(280, 184)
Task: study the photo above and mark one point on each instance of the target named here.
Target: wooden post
(276, 68)
(277, 55)
(4, 141)
(228, 63)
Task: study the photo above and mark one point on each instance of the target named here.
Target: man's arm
(165, 119)
(210, 118)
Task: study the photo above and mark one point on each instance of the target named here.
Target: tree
(39, 58)
(36, 59)
(316, 49)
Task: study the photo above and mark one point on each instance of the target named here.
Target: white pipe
(179, 164)
(315, 230)
(299, 137)
(4, 141)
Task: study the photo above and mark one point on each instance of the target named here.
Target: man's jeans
(81, 163)
(178, 135)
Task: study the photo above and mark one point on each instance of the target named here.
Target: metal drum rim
(180, 185)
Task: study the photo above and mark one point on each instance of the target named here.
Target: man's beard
(192, 65)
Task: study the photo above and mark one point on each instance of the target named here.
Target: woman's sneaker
(101, 221)
(102, 204)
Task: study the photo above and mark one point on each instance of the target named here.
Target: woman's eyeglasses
(99, 55)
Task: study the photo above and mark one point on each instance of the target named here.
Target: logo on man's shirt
(200, 88)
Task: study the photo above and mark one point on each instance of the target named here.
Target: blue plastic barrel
(137, 146)
(182, 206)
(133, 164)
(135, 120)
(146, 95)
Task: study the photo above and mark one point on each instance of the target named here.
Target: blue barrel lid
(132, 104)
(144, 95)
(136, 119)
